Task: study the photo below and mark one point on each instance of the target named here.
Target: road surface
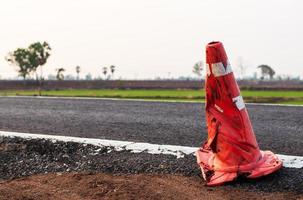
(278, 128)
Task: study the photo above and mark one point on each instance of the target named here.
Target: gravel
(21, 158)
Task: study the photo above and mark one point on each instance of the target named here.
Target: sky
(154, 38)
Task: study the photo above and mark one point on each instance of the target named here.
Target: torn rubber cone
(231, 148)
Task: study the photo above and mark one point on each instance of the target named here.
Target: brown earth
(84, 186)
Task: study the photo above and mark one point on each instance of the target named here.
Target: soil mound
(76, 186)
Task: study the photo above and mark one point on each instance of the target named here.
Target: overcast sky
(149, 38)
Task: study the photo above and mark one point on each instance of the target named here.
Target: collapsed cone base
(267, 164)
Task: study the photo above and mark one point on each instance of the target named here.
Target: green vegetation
(135, 94)
(28, 60)
(286, 97)
(272, 93)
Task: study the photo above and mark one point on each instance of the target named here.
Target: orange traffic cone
(231, 148)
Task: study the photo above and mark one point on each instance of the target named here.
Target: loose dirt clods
(82, 186)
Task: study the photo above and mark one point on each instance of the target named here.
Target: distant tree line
(266, 71)
(29, 60)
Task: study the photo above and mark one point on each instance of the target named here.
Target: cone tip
(215, 53)
(214, 43)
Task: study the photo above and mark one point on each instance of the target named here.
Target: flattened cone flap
(231, 148)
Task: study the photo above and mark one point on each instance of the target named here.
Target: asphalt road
(278, 128)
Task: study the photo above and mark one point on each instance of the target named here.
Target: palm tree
(112, 70)
(78, 71)
(60, 75)
(104, 71)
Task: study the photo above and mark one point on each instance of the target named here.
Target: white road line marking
(140, 100)
(137, 147)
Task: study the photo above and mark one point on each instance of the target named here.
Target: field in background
(258, 96)
(285, 85)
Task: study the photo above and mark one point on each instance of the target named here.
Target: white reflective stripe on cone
(239, 102)
(218, 69)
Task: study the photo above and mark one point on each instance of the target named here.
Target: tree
(104, 71)
(60, 75)
(78, 71)
(197, 69)
(39, 53)
(112, 70)
(51, 77)
(20, 58)
(29, 59)
(69, 77)
(266, 71)
(88, 77)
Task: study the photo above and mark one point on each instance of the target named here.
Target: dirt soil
(66, 186)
